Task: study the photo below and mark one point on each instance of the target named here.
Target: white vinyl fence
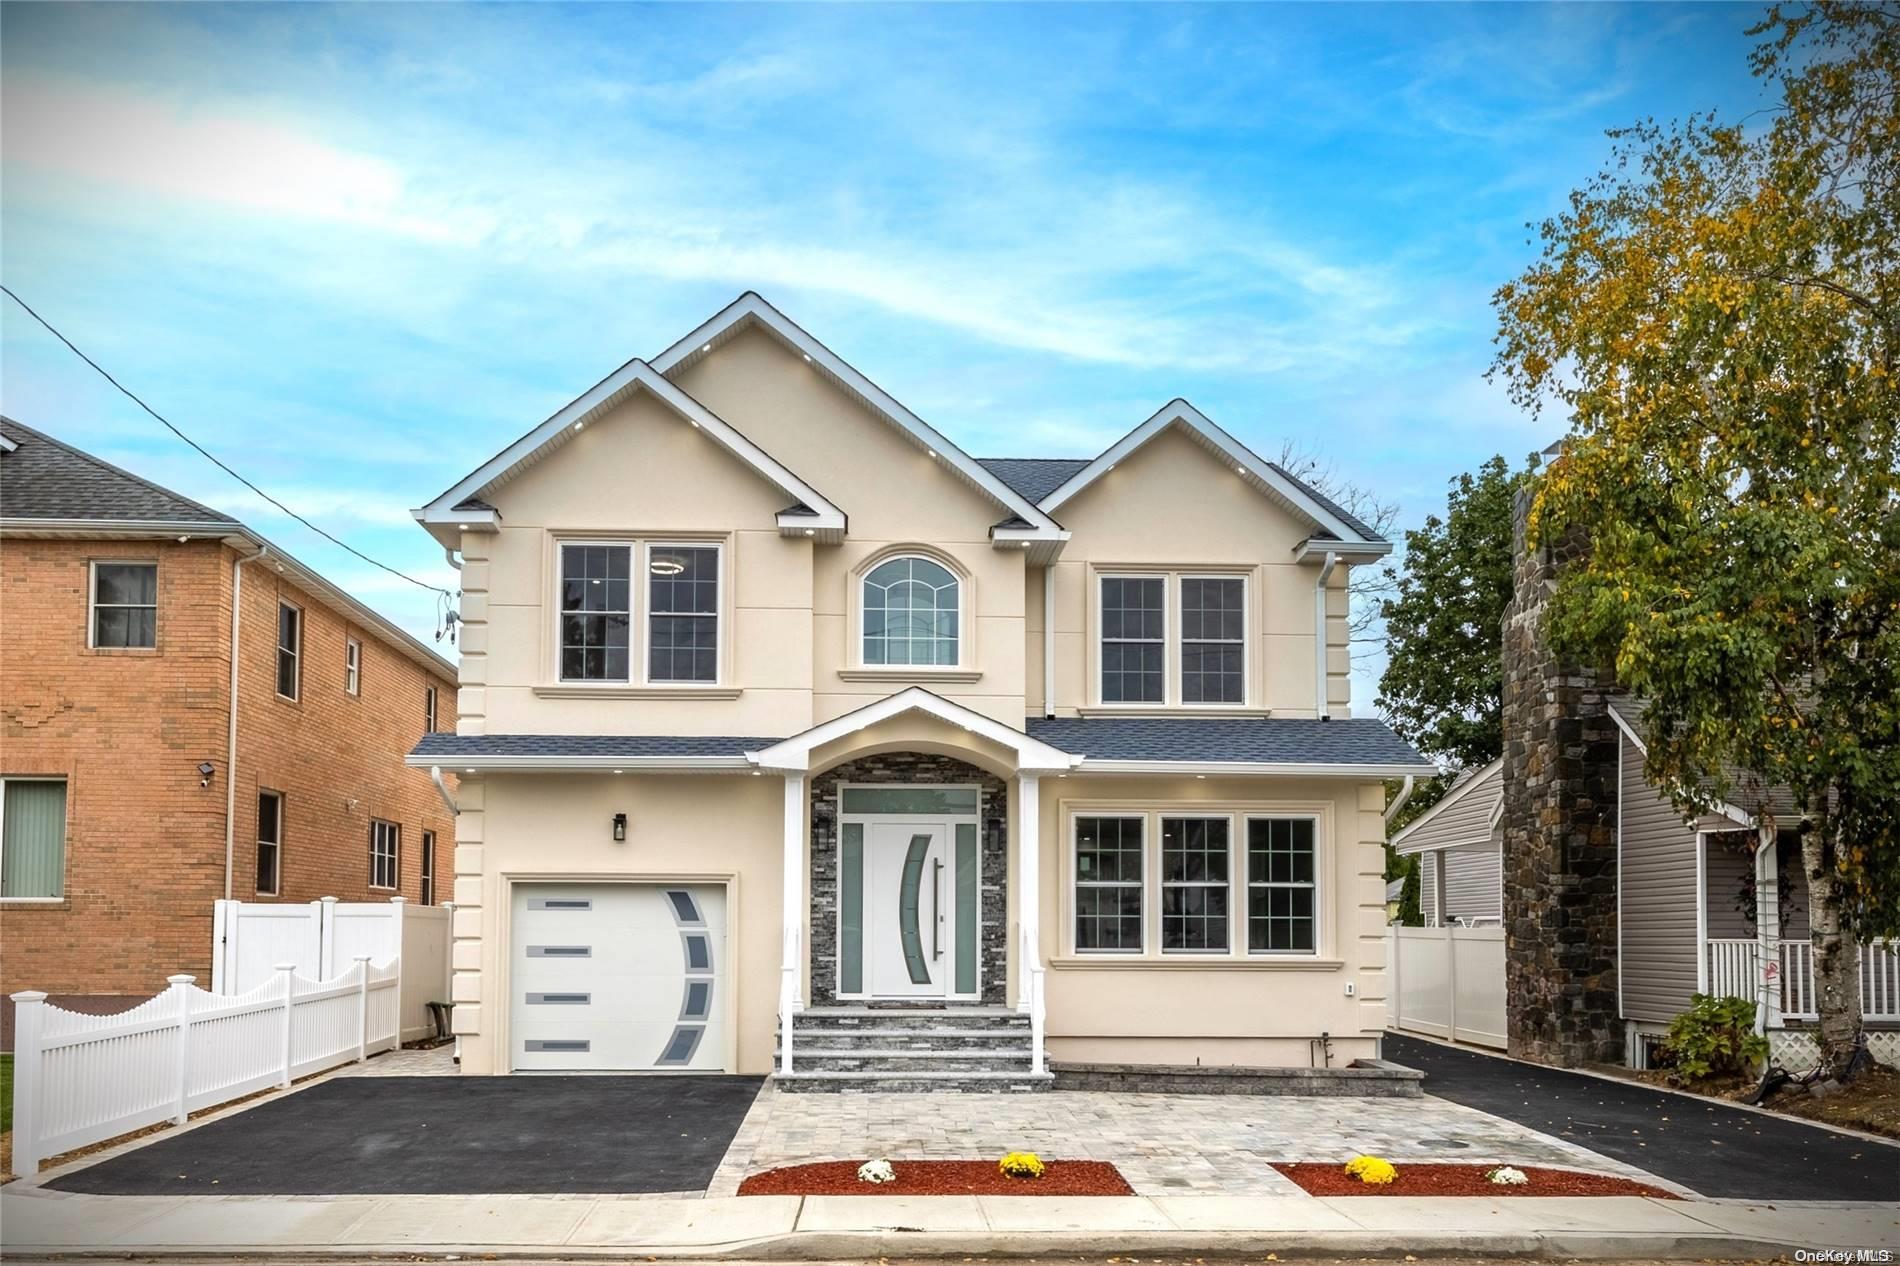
(249, 939)
(1447, 982)
(78, 1078)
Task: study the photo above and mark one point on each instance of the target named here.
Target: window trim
(964, 669)
(353, 666)
(1179, 588)
(1162, 883)
(430, 703)
(1318, 887)
(296, 656)
(92, 604)
(65, 836)
(1168, 655)
(1076, 883)
(428, 868)
(395, 830)
(644, 613)
(277, 868)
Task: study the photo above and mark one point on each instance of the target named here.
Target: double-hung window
(596, 612)
(270, 842)
(289, 650)
(125, 606)
(385, 854)
(1194, 884)
(1134, 639)
(352, 666)
(1281, 906)
(32, 839)
(428, 709)
(1108, 884)
(428, 868)
(682, 613)
(1213, 639)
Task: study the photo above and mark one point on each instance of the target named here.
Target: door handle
(936, 922)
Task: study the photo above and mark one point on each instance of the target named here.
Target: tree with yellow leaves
(1717, 312)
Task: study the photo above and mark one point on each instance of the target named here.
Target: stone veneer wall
(1560, 764)
(992, 862)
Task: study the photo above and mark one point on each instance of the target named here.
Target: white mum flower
(876, 1171)
(1505, 1176)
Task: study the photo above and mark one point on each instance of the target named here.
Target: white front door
(907, 914)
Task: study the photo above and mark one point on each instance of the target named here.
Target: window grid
(1282, 868)
(428, 868)
(1213, 639)
(683, 613)
(1134, 639)
(596, 612)
(385, 854)
(352, 666)
(125, 606)
(1194, 885)
(911, 613)
(1109, 868)
(289, 650)
(270, 843)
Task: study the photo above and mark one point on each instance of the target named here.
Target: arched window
(910, 613)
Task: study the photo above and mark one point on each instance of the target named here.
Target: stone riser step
(906, 1065)
(911, 1040)
(880, 1083)
(912, 1021)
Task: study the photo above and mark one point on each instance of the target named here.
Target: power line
(208, 456)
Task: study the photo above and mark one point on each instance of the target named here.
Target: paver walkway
(1163, 1144)
(1706, 1146)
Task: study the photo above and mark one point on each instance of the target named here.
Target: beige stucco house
(779, 711)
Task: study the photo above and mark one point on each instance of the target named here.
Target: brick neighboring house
(130, 799)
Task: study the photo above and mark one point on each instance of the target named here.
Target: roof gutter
(1250, 769)
(554, 763)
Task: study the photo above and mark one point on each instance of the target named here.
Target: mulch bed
(939, 1178)
(1433, 1179)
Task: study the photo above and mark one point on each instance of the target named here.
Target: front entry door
(907, 917)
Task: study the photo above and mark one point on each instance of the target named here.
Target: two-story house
(187, 713)
(777, 705)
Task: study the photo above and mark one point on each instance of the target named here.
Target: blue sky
(356, 250)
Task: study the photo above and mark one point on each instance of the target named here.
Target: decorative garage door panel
(619, 976)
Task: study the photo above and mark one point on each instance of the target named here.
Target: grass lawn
(6, 1093)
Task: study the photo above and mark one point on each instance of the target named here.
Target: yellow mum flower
(1021, 1165)
(1371, 1170)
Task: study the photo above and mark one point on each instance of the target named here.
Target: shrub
(1371, 1170)
(1715, 1037)
(876, 1171)
(1021, 1165)
(1506, 1176)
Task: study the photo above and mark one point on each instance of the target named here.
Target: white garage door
(619, 976)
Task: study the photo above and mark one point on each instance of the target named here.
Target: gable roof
(47, 479)
(750, 310)
(1034, 477)
(49, 488)
(795, 753)
(463, 504)
(1749, 798)
(1467, 814)
(1335, 528)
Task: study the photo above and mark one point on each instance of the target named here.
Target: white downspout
(1767, 931)
(442, 789)
(1398, 802)
(1049, 640)
(231, 734)
(1319, 632)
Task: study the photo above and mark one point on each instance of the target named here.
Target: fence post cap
(286, 966)
(361, 958)
(180, 980)
(448, 905)
(29, 995)
(331, 900)
(396, 901)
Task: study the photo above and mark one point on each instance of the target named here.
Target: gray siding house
(1460, 852)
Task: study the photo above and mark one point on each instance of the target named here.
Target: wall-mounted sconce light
(205, 770)
(620, 827)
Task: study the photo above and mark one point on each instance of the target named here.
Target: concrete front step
(917, 1082)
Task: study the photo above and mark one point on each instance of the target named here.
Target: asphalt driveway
(1708, 1147)
(447, 1136)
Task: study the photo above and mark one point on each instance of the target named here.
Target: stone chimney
(1560, 764)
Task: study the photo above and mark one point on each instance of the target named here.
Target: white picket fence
(78, 1079)
(1447, 982)
(250, 939)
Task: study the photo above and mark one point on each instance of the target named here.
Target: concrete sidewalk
(36, 1221)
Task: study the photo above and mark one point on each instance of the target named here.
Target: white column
(1028, 880)
(794, 887)
(1767, 933)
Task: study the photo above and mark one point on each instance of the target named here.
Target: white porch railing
(787, 1000)
(1733, 973)
(1033, 973)
(78, 1078)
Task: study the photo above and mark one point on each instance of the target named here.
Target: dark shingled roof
(450, 747)
(1352, 521)
(1033, 478)
(1353, 741)
(45, 479)
(1746, 792)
